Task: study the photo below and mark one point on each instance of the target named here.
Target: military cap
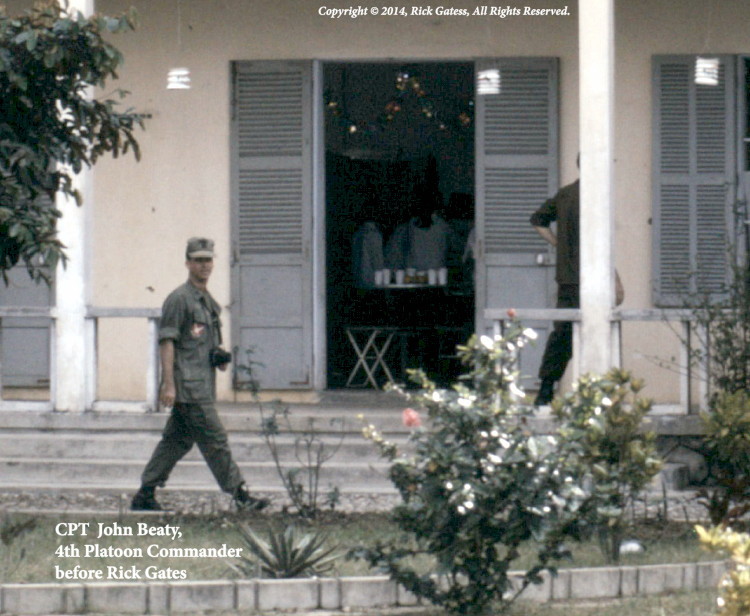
(198, 247)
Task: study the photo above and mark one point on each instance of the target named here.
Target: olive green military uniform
(190, 318)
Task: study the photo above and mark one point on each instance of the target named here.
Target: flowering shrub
(727, 447)
(734, 599)
(478, 485)
(411, 418)
(603, 415)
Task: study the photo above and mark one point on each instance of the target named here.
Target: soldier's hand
(167, 394)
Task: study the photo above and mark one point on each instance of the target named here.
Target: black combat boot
(546, 392)
(245, 502)
(144, 501)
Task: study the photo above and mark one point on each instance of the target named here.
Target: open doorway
(400, 179)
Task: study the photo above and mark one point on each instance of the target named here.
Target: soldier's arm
(168, 391)
(547, 234)
(543, 218)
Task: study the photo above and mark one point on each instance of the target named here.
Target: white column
(72, 286)
(596, 63)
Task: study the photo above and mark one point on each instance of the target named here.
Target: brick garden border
(333, 593)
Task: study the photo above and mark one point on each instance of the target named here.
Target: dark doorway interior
(399, 164)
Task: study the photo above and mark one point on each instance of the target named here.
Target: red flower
(511, 313)
(411, 418)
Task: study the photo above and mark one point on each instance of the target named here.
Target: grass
(32, 556)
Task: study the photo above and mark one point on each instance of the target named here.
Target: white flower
(598, 410)
(516, 390)
(483, 434)
(494, 434)
(461, 509)
(487, 342)
(504, 443)
(530, 333)
(464, 402)
(606, 402)
(437, 396)
(469, 504)
(448, 485)
(494, 459)
(467, 487)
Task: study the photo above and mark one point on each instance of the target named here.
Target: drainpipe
(596, 63)
(69, 374)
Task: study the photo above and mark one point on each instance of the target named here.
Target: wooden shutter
(518, 156)
(517, 150)
(517, 170)
(272, 226)
(694, 187)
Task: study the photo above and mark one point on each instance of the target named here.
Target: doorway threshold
(362, 398)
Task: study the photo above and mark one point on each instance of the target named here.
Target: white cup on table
(432, 276)
(379, 278)
(400, 276)
(386, 277)
(443, 276)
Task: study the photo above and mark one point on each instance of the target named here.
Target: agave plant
(286, 554)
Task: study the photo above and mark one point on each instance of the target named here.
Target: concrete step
(236, 418)
(673, 476)
(139, 446)
(109, 450)
(116, 472)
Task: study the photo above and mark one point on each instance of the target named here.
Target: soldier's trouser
(559, 348)
(188, 424)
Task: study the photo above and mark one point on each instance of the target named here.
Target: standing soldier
(190, 351)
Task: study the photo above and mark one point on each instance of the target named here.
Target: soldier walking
(190, 351)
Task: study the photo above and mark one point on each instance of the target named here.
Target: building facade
(285, 98)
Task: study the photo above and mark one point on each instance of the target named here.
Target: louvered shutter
(24, 341)
(694, 162)
(272, 195)
(517, 170)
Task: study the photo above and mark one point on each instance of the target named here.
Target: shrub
(723, 332)
(286, 554)
(604, 416)
(734, 597)
(311, 452)
(478, 485)
(727, 447)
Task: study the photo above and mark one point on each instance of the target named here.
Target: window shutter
(269, 119)
(518, 154)
(693, 180)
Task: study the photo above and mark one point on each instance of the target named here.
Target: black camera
(219, 357)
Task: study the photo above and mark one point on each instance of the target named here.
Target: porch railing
(92, 353)
(687, 336)
(499, 317)
(93, 317)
